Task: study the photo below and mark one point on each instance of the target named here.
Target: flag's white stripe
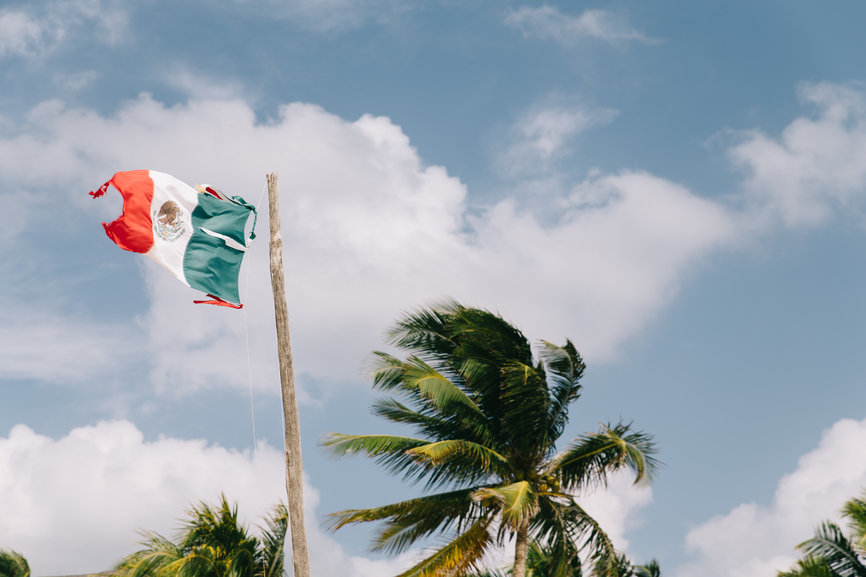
(169, 253)
(229, 241)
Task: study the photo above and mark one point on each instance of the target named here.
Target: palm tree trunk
(294, 465)
(520, 550)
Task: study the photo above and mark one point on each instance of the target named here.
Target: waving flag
(197, 234)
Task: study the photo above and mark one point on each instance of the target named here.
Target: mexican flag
(196, 233)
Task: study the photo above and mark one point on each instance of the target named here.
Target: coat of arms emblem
(168, 221)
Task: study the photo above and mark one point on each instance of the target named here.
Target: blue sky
(678, 187)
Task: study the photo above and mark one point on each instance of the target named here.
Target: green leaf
(13, 564)
(838, 552)
(809, 567)
(651, 569)
(475, 455)
(461, 555)
(408, 521)
(594, 456)
(565, 367)
(517, 501)
(855, 511)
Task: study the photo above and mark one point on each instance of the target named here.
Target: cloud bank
(756, 540)
(548, 23)
(37, 29)
(370, 230)
(73, 505)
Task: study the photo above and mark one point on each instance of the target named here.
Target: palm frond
(388, 450)
(855, 511)
(13, 564)
(593, 456)
(809, 567)
(525, 402)
(461, 555)
(158, 553)
(431, 392)
(565, 368)
(425, 328)
(272, 562)
(517, 501)
(429, 424)
(434, 386)
(650, 569)
(838, 552)
(558, 558)
(567, 525)
(409, 521)
(474, 456)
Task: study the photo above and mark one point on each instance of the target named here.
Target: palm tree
(487, 415)
(13, 564)
(540, 559)
(830, 553)
(651, 569)
(212, 544)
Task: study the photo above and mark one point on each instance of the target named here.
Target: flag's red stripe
(133, 230)
(218, 302)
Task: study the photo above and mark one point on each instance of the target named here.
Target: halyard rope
(250, 372)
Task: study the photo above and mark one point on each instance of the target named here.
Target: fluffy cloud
(73, 505)
(370, 230)
(40, 343)
(37, 29)
(617, 507)
(817, 164)
(546, 22)
(756, 540)
(19, 33)
(328, 16)
(542, 134)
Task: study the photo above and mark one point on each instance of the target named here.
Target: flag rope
(250, 368)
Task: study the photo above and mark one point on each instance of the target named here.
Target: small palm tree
(13, 564)
(212, 544)
(830, 553)
(488, 415)
(541, 562)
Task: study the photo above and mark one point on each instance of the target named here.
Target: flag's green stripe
(208, 264)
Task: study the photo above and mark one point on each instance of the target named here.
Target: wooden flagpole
(294, 465)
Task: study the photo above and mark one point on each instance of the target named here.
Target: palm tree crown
(829, 553)
(487, 415)
(212, 544)
(13, 564)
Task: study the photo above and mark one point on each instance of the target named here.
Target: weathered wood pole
(294, 464)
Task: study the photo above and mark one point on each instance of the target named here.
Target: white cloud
(194, 84)
(40, 28)
(617, 508)
(40, 343)
(19, 33)
(73, 505)
(817, 164)
(541, 134)
(331, 15)
(369, 231)
(547, 22)
(755, 540)
(76, 81)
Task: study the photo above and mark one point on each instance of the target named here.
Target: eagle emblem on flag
(168, 221)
